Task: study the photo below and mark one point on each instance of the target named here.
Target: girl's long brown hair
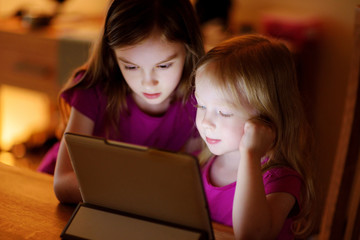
(129, 22)
(262, 71)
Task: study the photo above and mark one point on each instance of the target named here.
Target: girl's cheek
(198, 118)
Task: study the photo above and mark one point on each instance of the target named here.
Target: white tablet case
(144, 185)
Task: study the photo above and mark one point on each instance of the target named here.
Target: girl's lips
(152, 96)
(212, 141)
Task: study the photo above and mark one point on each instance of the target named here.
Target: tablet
(142, 184)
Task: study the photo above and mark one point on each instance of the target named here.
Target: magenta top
(278, 179)
(170, 131)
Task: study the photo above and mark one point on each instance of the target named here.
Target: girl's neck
(231, 159)
(224, 169)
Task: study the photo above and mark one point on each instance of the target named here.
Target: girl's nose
(208, 121)
(149, 79)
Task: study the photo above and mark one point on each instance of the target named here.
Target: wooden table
(30, 210)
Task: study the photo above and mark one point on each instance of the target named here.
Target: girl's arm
(256, 215)
(66, 186)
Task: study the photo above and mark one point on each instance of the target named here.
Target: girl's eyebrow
(171, 57)
(125, 61)
(223, 103)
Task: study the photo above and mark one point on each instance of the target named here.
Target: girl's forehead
(207, 89)
(151, 50)
(205, 78)
(150, 43)
(155, 37)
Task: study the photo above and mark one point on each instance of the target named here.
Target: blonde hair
(262, 71)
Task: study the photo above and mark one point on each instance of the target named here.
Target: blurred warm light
(7, 158)
(22, 112)
(77, 7)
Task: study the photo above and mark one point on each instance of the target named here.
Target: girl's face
(220, 123)
(152, 69)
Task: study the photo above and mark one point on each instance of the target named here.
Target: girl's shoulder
(278, 171)
(90, 101)
(90, 93)
(283, 179)
(281, 171)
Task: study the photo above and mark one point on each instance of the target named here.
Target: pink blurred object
(297, 31)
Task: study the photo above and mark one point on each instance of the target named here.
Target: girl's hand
(258, 138)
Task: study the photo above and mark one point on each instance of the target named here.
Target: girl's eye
(225, 114)
(130, 67)
(164, 66)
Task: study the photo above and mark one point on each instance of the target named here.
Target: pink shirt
(279, 179)
(170, 131)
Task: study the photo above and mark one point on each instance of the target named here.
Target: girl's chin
(219, 152)
(215, 151)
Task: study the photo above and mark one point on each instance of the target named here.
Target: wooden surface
(28, 206)
(30, 210)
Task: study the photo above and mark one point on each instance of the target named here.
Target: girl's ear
(266, 120)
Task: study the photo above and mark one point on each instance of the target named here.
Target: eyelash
(162, 66)
(130, 67)
(226, 114)
(165, 66)
(221, 113)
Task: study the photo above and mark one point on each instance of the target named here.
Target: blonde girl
(251, 118)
